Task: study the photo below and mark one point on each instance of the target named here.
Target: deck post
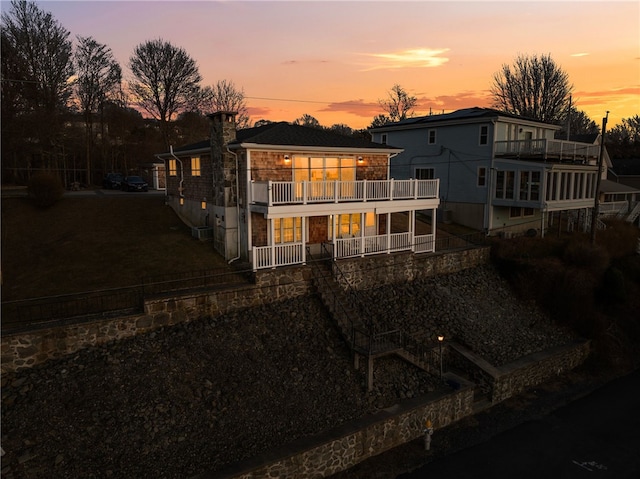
(370, 373)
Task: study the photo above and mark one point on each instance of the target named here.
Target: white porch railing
(611, 208)
(278, 255)
(368, 245)
(293, 253)
(547, 149)
(303, 192)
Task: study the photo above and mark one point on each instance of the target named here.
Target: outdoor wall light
(203, 204)
(181, 201)
(287, 160)
(440, 339)
(360, 160)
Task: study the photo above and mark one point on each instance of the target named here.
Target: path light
(440, 339)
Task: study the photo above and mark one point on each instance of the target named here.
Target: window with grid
(482, 176)
(173, 170)
(195, 166)
(431, 137)
(425, 173)
(484, 135)
(287, 230)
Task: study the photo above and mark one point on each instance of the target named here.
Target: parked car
(113, 181)
(134, 183)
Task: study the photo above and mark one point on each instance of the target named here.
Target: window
(431, 137)
(195, 166)
(350, 226)
(172, 168)
(287, 230)
(425, 173)
(482, 176)
(518, 212)
(383, 139)
(530, 185)
(484, 135)
(504, 184)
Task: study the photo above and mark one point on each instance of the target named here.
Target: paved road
(595, 437)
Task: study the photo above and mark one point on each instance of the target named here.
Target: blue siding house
(498, 172)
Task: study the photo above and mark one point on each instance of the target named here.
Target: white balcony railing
(274, 193)
(545, 149)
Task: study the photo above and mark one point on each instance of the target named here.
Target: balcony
(274, 193)
(547, 150)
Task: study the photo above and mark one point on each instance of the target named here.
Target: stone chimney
(223, 127)
(223, 131)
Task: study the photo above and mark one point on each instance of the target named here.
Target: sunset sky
(335, 59)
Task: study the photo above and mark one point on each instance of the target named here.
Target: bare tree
(534, 87)
(99, 77)
(167, 81)
(38, 68)
(399, 105)
(224, 96)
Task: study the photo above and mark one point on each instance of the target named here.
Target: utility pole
(596, 205)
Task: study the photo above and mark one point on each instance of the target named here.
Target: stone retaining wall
(373, 271)
(23, 350)
(342, 448)
(503, 382)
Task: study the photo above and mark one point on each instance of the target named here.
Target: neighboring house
(154, 174)
(269, 193)
(625, 171)
(498, 172)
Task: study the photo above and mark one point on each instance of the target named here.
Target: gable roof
(469, 114)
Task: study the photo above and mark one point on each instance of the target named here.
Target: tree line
(66, 109)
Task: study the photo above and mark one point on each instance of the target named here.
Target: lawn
(94, 243)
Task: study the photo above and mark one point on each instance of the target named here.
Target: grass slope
(94, 243)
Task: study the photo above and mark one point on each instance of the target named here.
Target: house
(270, 194)
(154, 174)
(498, 172)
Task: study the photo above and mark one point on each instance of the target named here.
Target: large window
(505, 182)
(195, 166)
(287, 230)
(425, 173)
(530, 185)
(323, 168)
(172, 168)
(350, 225)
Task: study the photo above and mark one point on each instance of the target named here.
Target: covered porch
(350, 235)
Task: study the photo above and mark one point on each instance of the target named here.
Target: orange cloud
(412, 58)
(355, 107)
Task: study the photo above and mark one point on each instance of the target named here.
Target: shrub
(45, 189)
(582, 254)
